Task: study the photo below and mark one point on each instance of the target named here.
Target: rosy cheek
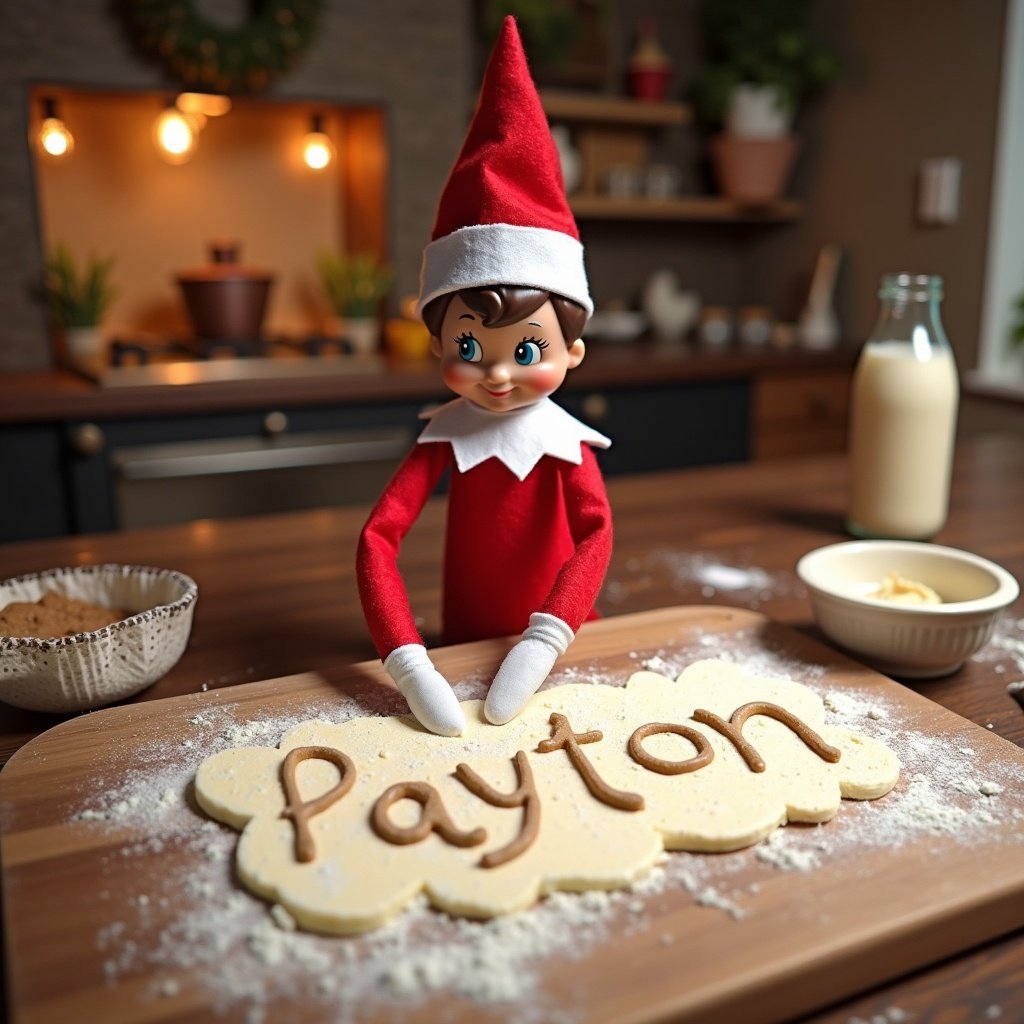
(459, 372)
(545, 377)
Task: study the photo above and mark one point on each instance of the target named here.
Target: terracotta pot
(225, 300)
(753, 171)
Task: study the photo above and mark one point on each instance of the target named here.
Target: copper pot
(225, 300)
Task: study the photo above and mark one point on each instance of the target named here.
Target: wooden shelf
(615, 132)
(615, 110)
(692, 208)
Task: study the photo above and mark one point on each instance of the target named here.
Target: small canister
(715, 328)
(755, 330)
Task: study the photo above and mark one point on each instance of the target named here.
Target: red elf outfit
(528, 535)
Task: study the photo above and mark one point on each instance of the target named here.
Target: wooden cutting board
(128, 911)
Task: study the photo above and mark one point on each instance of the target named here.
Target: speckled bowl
(88, 670)
(911, 641)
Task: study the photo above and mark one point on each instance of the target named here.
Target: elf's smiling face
(508, 367)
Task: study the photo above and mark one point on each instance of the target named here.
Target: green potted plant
(354, 285)
(77, 297)
(761, 64)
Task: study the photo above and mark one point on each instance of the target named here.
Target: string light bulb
(176, 135)
(54, 138)
(317, 148)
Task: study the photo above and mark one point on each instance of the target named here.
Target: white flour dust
(191, 927)
(696, 577)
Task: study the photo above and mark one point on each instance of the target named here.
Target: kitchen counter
(39, 396)
(278, 596)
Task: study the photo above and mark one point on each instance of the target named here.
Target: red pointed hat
(503, 217)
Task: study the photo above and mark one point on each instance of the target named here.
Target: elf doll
(504, 294)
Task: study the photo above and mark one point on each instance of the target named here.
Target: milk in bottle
(903, 416)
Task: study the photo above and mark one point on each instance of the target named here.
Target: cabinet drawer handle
(275, 423)
(88, 440)
(217, 458)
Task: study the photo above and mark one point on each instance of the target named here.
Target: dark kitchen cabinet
(146, 472)
(668, 427)
(34, 500)
(86, 476)
(81, 459)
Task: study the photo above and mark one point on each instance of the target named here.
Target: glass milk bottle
(903, 416)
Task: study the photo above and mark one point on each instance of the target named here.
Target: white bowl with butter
(872, 598)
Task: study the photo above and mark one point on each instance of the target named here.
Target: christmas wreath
(206, 54)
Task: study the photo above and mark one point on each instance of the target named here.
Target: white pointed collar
(519, 439)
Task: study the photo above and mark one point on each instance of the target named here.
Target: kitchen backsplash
(365, 54)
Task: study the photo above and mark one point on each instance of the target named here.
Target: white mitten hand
(526, 666)
(429, 695)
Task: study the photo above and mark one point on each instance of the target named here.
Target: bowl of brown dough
(81, 637)
(909, 609)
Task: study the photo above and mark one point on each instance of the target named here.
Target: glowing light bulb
(317, 148)
(54, 138)
(176, 136)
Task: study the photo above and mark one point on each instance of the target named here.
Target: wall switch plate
(938, 194)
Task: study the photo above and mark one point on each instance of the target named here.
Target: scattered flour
(711, 897)
(694, 575)
(891, 1015)
(192, 924)
(779, 851)
(1006, 648)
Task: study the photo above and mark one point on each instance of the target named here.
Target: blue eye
(469, 349)
(529, 352)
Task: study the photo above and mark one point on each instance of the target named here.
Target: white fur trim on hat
(485, 254)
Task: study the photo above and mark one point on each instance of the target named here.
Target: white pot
(757, 112)
(362, 333)
(569, 158)
(83, 342)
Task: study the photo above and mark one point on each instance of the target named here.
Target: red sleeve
(381, 588)
(590, 520)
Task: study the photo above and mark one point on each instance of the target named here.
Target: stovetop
(148, 363)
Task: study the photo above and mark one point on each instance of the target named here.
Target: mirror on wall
(126, 182)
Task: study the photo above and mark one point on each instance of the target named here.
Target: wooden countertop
(56, 395)
(278, 596)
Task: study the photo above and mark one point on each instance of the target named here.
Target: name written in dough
(434, 818)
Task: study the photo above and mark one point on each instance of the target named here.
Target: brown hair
(502, 304)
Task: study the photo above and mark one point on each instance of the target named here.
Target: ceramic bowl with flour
(908, 609)
(77, 670)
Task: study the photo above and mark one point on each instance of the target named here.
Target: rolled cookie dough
(356, 880)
